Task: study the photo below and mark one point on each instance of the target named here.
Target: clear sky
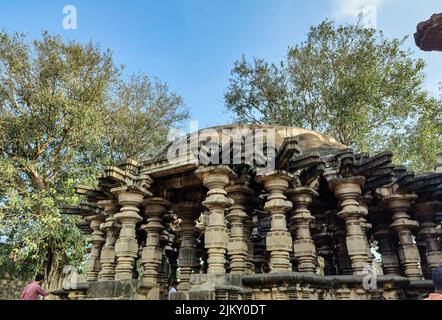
(192, 44)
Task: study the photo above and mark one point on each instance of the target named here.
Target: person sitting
(33, 290)
(437, 282)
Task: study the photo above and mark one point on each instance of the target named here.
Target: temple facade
(253, 212)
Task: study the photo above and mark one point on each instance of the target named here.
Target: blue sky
(192, 44)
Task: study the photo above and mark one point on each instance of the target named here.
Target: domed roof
(309, 141)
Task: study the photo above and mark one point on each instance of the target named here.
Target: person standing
(33, 290)
(172, 289)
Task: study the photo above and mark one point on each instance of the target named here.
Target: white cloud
(352, 8)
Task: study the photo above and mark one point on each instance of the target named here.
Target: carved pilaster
(347, 191)
(152, 254)
(341, 256)
(126, 247)
(365, 201)
(408, 253)
(385, 238)
(425, 214)
(301, 218)
(216, 178)
(248, 227)
(93, 265)
(278, 240)
(422, 248)
(241, 194)
(188, 212)
(111, 229)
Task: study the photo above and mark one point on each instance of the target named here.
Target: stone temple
(251, 212)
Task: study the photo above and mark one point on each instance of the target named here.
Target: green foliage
(140, 116)
(349, 82)
(61, 103)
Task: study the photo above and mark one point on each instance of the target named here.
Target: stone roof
(428, 36)
(308, 140)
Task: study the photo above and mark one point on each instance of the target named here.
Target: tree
(64, 113)
(51, 105)
(349, 82)
(140, 115)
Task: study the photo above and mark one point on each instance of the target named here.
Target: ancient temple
(260, 212)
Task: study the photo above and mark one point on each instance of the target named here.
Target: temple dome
(308, 140)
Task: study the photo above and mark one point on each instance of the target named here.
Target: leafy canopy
(349, 82)
(64, 112)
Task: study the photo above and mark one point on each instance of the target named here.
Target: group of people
(33, 291)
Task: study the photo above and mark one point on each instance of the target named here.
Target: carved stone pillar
(278, 240)
(402, 225)
(188, 212)
(365, 201)
(216, 178)
(301, 218)
(250, 260)
(111, 229)
(347, 191)
(152, 254)
(385, 238)
(126, 247)
(93, 265)
(240, 193)
(258, 240)
(422, 248)
(342, 258)
(424, 213)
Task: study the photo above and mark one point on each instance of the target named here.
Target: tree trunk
(53, 274)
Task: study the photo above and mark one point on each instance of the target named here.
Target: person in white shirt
(172, 289)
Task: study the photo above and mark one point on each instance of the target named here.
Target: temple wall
(11, 289)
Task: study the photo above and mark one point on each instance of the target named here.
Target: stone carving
(305, 229)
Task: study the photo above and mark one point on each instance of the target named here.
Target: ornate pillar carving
(126, 247)
(386, 242)
(188, 212)
(347, 191)
(402, 224)
(250, 259)
(237, 247)
(278, 240)
(301, 218)
(365, 201)
(152, 254)
(93, 265)
(258, 240)
(342, 258)
(323, 241)
(111, 229)
(422, 248)
(425, 214)
(216, 178)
